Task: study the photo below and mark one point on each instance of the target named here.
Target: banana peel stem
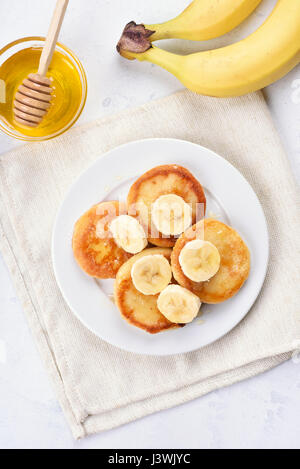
(173, 63)
(135, 43)
(135, 39)
(160, 31)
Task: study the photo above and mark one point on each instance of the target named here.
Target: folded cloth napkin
(99, 386)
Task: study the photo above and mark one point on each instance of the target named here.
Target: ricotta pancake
(94, 247)
(161, 181)
(138, 309)
(234, 261)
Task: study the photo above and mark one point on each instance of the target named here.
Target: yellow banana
(205, 19)
(251, 64)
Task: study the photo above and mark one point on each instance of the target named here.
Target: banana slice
(171, 215)
(151, 274)
(200, 260)
(128, 234)
(178, 304)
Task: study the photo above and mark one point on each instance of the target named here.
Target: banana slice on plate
(178, 304)
(171, 215)
(128, 234)
(151, 274)
(200, 260)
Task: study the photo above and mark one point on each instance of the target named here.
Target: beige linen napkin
(100, 386)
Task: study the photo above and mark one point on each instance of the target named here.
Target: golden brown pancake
(235, 261)
(137, 309)
(162, 180)
(93, 245)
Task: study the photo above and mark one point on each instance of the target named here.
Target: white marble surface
(260, 413)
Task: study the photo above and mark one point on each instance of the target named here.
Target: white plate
(230, 199)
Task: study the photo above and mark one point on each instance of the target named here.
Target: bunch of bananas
(249, 65)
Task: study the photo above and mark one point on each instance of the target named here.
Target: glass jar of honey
(20, 58)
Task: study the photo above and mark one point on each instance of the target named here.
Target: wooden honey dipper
(32, 100)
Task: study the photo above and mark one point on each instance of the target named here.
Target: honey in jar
(68, 92)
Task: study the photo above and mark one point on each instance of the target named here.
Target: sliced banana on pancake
(128, 234)
(151, 274)
(171, 215)
(178, 304)
(200, 260)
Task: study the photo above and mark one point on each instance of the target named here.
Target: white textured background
(261, 413)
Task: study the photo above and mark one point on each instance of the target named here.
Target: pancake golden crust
(235, 261)
(162, 180)
(137, 309)
(93, 245)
